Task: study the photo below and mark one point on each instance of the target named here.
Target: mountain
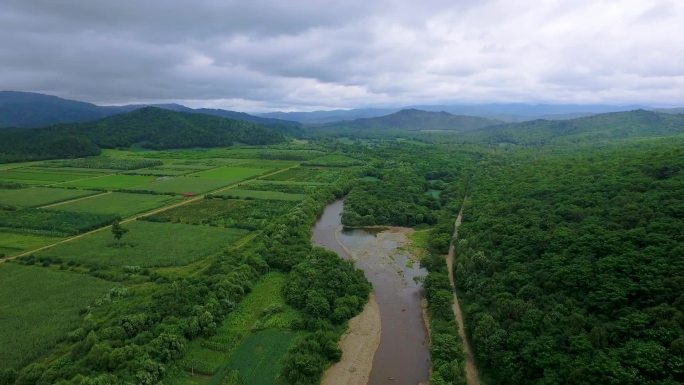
(30, 110)
(150, 127)
(596, 128)
(412, 120)
(509, 112)
(322, 117)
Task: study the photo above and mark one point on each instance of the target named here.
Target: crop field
(237, 213)
(112, 182)
(260, 194)
(292, 188)
(41, 177)
(116, 203)
(306, 174)
(260, 320)
(51, 222)
(334, 160)
(236, 153)
(183, 184)
(38, 307)
(12, 243)
(230, 173)
(147, 244)
(39, 196)
(258, 357)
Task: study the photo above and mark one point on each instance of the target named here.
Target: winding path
(470, 368)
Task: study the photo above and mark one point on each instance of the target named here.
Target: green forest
(185, 256)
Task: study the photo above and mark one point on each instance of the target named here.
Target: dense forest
(591, 129)
(148, 127)
(572, 267)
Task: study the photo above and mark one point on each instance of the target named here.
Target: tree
(118, 231)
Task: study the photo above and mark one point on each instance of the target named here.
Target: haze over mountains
(27, 109)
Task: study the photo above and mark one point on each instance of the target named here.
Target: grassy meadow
(39, 196)
(116, 203)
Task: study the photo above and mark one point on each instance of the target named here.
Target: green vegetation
(39, 306)
(152, 127)
(256, 194)
(257, 359)
(52, 222)
(571, 269)
(39, 196)
(147, 244)
(104, 162)
(12, 243)
(225, 212)
(115, 204)
(111, 182)
(26, 175)
(306, 174)
(229, 173)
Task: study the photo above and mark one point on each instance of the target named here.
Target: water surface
(403, 357)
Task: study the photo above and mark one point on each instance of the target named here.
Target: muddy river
(402, 357)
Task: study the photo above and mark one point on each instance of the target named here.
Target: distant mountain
(509, 112)
(150, 127)
(596, 128)
(30, 110)
(676, 110)
(412, 120)
(321, 117)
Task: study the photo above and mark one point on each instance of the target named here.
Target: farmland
(142, 246)
(39, 196)
(252, 339)
(115, 204)
(39, 306)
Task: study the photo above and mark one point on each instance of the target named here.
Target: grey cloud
(268, 54)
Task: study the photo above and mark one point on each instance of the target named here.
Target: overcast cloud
(262, 55)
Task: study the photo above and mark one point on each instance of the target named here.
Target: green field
(183, 184)
(116, 203)
(239, 213)
(112, 182)
(51, 221)
(38, 307)
(258, 357)
(260, 194)
(39, 196)
(263, 309)
(306, 174)
(42, 177)
(14, 243)
(147, 244)
(230, 173)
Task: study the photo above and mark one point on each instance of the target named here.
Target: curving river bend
(402, 357)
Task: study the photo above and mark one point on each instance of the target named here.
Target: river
(402, 357)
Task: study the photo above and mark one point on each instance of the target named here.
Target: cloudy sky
(260, 55)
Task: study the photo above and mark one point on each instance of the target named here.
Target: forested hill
(150, 127)
(413, 120)
(596, 128)
(28, 109)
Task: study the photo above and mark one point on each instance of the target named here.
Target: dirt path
(74, 200)
(358, 347)
(470, 368)
(136, 216)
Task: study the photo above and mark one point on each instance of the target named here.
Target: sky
(264, 55)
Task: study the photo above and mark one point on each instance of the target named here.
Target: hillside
(28, 109)
(413, 120)
(149, 127)
(31, 110)
(603, 127)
